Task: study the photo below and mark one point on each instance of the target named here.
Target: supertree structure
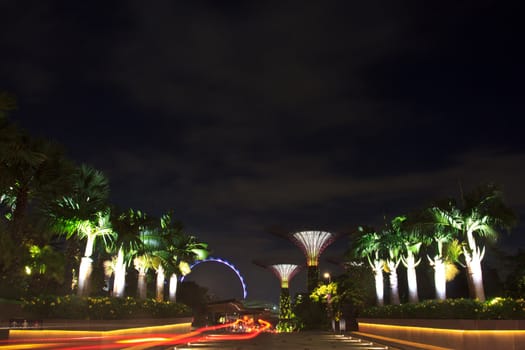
(312, 243)
(284, 272)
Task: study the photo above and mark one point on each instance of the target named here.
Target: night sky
(242, 116)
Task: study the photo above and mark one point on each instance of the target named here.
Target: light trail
(134, 342)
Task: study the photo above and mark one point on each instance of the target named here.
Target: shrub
(497, 308)
(102, 308)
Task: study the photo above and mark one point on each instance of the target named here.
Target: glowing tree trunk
(86, 267)
(411, 264)
(312, 243)
(142, 284)
(473, 257)
(141, 265)
(440, 277)
(377, 268)
(160, 284)
(172, 291)
(393, 280)
(473, 262)
(119, 282)
(84, 276)
(440, 272)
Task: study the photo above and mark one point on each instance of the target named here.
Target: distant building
(224, 311)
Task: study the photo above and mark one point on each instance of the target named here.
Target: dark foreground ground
(290, 341)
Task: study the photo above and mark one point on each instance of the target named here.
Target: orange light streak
(114, 340)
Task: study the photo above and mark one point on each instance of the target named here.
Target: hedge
(102, 308)
(494, 309)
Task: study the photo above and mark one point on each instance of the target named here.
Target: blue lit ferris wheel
(228, 264)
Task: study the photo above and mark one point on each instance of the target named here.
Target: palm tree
(127, 243)
(412, 241)
(366, 244)
(33, 172)
(144, 260)
(183, 249)
(163, 261)
(442, 240)
(142, 263)
(159, 262)
(85, 215)
(482, 212)
(391, 245)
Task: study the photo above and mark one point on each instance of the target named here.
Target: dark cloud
(244, 115)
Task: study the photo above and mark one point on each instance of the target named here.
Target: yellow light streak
(400, 341)
(450, 338)
(443, 330)
(29, 346)
(28, 334)
(141, 340)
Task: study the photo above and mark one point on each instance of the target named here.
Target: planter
(102, 328)
(450, 334)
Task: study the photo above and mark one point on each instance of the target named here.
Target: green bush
(102, 308)
(497, 308)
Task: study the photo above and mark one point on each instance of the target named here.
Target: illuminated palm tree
(412, 241)
(127, 243)
(483, 211)
(442, 240)
(145, 258)
(366, 244)
(85, 215)
(184, 249)
(142, 263)
(158, 261)
(174, 255)
(391, 245)
(154, 254)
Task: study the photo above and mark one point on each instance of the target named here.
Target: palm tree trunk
(173, 288)
(475, 276)
(378, 277)
(86, 267)
(160, 284)
(412, 280)
(440, 278)
(474, 272)
(90, 244)
(394, 290)
(119, 283)
(470, 283)
(84, 274)
(142, 284)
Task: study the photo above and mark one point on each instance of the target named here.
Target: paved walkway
(292, 341)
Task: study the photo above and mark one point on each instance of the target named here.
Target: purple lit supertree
(284, 272)
(312, 243)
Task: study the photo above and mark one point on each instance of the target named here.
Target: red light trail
(137, 342)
